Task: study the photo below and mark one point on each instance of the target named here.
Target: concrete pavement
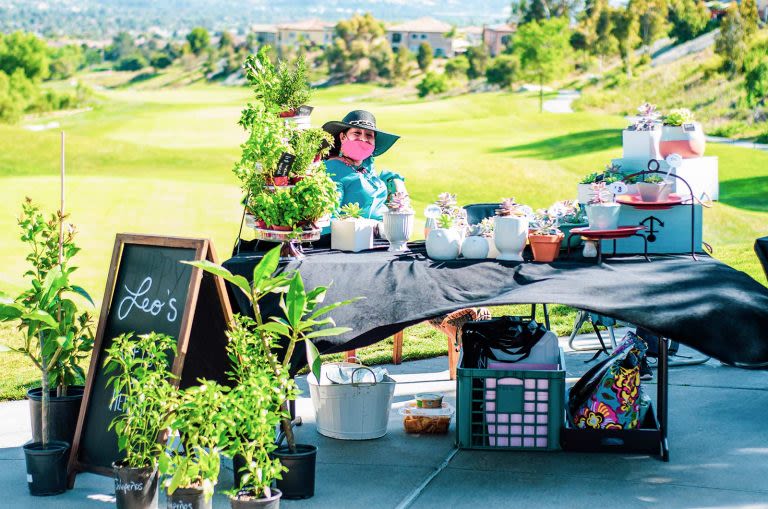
(717, 432)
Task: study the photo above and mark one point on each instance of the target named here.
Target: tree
(160, 60)
(689, 19)
(625, 31)
(457, 66)
(65, 61)
(605, 43)
(226, 40)
(21, 50)
(424, 56)
(433, 83)
(756, 84)
(401, 69)
(731, 42)
(199, 40)
(360, 50)
(748, 11)
(544, 50)
(133, 62)
(122, 46)
(503, 70)
(525, 11)
(478, 61)
(652, 20)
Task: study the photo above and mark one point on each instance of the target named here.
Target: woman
(350, 163)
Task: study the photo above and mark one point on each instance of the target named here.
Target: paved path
(561, 103)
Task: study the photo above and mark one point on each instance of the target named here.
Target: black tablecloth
(705, 304)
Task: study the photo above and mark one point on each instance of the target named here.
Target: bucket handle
(363, 383)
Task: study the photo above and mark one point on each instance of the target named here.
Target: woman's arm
(395, 182)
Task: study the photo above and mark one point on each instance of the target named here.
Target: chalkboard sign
(284, 164)
(149, 289)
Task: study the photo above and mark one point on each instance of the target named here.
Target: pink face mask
(356, 149)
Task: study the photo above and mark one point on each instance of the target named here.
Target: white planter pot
(492, 251)
(603, 216)
(474, 248)
(398, 227)
(654, 192)
(430, 223)
(584, 193)
(510, 234)
(352, 234)
(443, 244)
(641, 144)
(688, 140)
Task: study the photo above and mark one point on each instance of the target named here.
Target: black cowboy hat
(364, 120)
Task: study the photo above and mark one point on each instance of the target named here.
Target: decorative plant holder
(545, 247)
(604, 216)
(188, 498)
(443, 244)
(474, 247)
(652, 192)
(576, 240)
(46, 468)
(135, 488)
(398, 227)
(688, 140)
(510, 234)
(641, 144)
(352, 234)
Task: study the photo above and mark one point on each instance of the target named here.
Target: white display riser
(700, 172)
(673, 237)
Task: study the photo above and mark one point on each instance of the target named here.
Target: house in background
(412, 33)
(466, 37)
(312, 31)
(265, 34)
(496, 37)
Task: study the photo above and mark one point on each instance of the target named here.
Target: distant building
(762, 9)
(496, 37)
(312, 31)
(265, 34)
(412, 33)
(467, 37)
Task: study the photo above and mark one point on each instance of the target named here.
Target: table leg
(663, 397)
(397, 348)
(599, 251)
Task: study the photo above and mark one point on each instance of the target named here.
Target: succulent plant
(602, 194)
(678, 117)
(399, 202)
(543, 224)
(445, 221)
(649, 118)
(350, 211)
(509, 207)
(566, 212)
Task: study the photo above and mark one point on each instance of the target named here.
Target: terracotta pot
(280, 228)
(259, 223)
(294, 180)
(288, 114)
(545, 247)
(688, 140)
(279, 181)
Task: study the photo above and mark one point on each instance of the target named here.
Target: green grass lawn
(159, 161)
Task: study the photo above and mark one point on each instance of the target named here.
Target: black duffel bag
(512, 335)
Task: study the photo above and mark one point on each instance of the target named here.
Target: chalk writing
(153, 307)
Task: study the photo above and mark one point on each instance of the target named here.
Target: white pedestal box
(673, 237)
(641, 144)
(352, 234)
(700, 172)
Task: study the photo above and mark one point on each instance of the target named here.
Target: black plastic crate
(646, 439)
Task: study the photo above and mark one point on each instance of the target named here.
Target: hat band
(363, 123)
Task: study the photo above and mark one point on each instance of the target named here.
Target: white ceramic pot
(492, 251)
(510, 234)
(443, 244)
(654, 191)
(430, 223)
(641, 144)
(398, 227)
(604, 216)
(474, 247)
(584, 193)
(688, 140)
(352, 234)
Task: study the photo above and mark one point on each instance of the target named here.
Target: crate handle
(352, 378)
(612, 441)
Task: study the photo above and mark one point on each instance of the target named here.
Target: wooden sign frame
(203, 251)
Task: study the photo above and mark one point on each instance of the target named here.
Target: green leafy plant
(142, 386)
(57, 335)
(678, 117)
(303, 319)
(350, 211)
(567, 212)
(653, 179)
(611, 174)
(315, 196)
(308, 145)
(196, 426)
(283, 87)
(267, 135)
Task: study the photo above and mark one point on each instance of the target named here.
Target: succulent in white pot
(444, 242)
(475, 245)
(681, 134)
(654, 188)
(486, 227)
(350, 231)
(510, 231)
(641, 139)
(602, 211)
(398, 221)
(585, 188)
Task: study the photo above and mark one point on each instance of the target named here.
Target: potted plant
(267, 141)
(475, 245)
(260, 395)
(192, 461)
(316, 197)
(282, 88)
(486, 227)
(308, 146)
(56, 336)
(350, 231)
(641, 139)
(681, 134)
(654, 188)
(545, 237)
(602, 211)
(444, 242)
(569, 215)
(585, 191)
(142, 384)
(510, 231)
(398, 221)
(303, 320)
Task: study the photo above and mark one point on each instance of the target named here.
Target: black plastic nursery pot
(62, 413)
(299, 481)
(245, 502)
(188, 498)
(46, 467)
(135, 488)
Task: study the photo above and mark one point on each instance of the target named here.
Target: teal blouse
(361, 185)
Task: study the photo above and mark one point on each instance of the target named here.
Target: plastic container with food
(429, 400)
(435, 421)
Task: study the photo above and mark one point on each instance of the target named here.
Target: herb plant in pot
(545, 238)
(283, 88)
(641, 139)
(260, 153)
(654, 188)
(142, 384)
(444, 242)
(680, 134)
(510, 231)
(602, 211)
(56, 335)
(303, 320)
(398, 221)
(350, 231)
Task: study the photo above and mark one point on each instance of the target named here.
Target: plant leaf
(296, 301)
(223, 273)
(10, 311)
(80, 291)
(313, 359)
(266, 267)
(38, 315)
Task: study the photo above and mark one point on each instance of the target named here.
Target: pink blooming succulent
(399, 202)
(649, 118)
(509, 207)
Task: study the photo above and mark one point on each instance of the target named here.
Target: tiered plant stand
(622, 232)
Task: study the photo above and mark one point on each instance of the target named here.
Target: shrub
(433, 83)
(131, 63)
(457, 66)
(503, 70)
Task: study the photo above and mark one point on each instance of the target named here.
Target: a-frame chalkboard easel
(146, 287)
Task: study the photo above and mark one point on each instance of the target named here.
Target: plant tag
(304, 111)
(689, 127)
(618, 188)
(674, 160)
(284, 164)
